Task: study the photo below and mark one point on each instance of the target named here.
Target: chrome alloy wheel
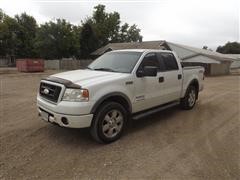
(192, 98)
(112, 123)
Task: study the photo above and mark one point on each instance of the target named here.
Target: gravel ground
(202, 143)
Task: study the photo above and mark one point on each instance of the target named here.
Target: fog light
(51, 118)
(64, 121)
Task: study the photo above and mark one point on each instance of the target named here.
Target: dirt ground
(203, 143)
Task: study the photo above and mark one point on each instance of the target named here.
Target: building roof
(193, 51)
(131, 45)
(236, 56)
(208, 53)
(202, 59)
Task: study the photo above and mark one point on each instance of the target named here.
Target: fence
(51, 64)
(7, 62)
(67, 64)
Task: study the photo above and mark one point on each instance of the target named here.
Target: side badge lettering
(129, 82)
(140, 98)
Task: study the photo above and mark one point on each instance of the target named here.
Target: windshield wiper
(104, 69)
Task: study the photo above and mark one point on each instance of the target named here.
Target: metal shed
(236, 63)
(214, 63)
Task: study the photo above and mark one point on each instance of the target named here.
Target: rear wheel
(109, 122)
(190, 98)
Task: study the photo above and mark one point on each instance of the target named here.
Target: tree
(129, 34)
(106, 28)
(123, 34)
(88, 40)
(8, 35)
(21, 36)
(205, 47)
(1, 15)
(17, 35)
(133, 34)
(26, 35)
(57, 40)
(106, 25)
(229, 48)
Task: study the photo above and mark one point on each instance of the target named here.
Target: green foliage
(1, 16)
(8, 35)
(106, 25)
(88, 40)
(21, 37)
(205, 47)
(129, 34)
(106, 28)
(57, 40)
(26, 35)
(229, 48)
(133, 34)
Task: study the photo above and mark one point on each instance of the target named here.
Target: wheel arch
(194, 83)
(116, 97)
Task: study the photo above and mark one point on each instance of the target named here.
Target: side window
(161, 62)
(149, 60)
(169, 61)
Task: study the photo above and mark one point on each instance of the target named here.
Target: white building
(214, 63)
(236, 63)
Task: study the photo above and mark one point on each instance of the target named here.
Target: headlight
(76, 95)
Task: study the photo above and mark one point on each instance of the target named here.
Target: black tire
(188, 102)
(101, 120)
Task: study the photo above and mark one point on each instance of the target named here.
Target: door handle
(179, 76)
(161, 79)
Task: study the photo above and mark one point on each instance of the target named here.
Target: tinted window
(116, 61)
(161, 62)
(150, 60)
(169, 61)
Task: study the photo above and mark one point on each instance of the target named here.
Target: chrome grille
(49, 91)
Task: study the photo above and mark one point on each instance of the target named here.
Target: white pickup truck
(117, 87)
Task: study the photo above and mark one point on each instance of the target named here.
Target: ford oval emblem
(45, 91)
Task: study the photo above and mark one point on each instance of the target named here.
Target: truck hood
(83, 77)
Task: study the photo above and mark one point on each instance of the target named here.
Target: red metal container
(30, 65)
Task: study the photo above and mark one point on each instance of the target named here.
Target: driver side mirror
(150, 71)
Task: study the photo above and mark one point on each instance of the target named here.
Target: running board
(155, 110)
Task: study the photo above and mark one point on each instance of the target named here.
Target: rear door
(171, 76)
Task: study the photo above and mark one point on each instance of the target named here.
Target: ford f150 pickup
(117, 87)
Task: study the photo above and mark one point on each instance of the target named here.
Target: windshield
(123, 62)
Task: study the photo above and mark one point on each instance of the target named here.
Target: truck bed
(192, 72)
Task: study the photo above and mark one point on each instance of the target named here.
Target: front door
(147, 89)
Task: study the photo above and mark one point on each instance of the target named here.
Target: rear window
(167, 61)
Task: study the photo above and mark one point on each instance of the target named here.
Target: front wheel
(109, 122)
(190, 98)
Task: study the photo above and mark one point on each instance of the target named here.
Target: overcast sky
(189, 22)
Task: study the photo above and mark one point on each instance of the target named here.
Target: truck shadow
(82, 137)
(151, 120)
(69, 135)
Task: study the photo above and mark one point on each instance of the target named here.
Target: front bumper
(66, 114)
(64, 120)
